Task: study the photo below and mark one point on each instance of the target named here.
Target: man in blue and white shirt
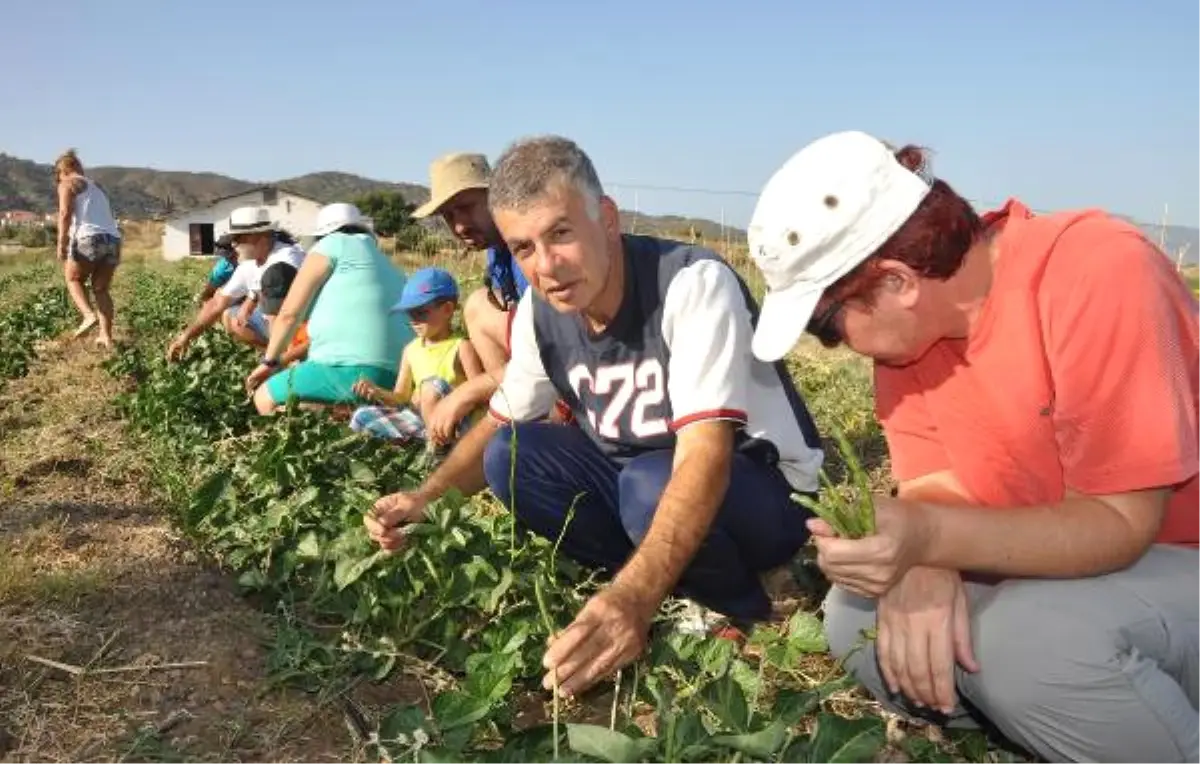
(680, 473)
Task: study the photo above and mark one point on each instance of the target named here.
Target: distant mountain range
(142, 193)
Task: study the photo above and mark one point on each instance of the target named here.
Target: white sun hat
(250, 220)
(333, 216)
(827, 209)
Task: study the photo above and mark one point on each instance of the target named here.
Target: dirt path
(92, 574)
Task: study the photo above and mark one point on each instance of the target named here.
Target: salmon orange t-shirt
(1081, 374)
(299, 337)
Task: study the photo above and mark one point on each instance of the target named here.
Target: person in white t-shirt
(259, 244)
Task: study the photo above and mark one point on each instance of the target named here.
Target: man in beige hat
(458, 192)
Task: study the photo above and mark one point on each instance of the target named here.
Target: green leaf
(759, 745)
(276, 513)
(715, 656)
(838, 739)
(361, 473)
(534, 743)
(925, 751)
(791, 706)
(348, 570)
(726, 700)
(401, 720)
(455, 709)
(305, 497)
(386, 664)
(205, 498)
(253, 579)
(608, 745)
(308, 547)
(506, 581)
(806, 633)
(747, 678)
(490, 675)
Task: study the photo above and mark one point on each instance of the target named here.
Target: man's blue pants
(757, 528)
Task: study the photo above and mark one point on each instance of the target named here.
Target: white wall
(297, 214)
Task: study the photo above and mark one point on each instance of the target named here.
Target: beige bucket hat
(452, 174)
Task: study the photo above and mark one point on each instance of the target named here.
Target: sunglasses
(823, 326)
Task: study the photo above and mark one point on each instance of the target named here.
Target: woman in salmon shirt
(1036, 379)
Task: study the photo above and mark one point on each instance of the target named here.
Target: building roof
(251, 190)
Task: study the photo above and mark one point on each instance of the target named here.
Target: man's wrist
(268, 362)
(923, 520)
(429, 491)
(643, 601)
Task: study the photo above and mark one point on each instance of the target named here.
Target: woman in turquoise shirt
(344, 290)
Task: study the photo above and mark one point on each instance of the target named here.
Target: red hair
(933, 242)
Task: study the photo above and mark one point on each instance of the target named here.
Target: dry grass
(92, 574)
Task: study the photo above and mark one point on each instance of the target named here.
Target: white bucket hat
(333, 216)
(250, 220)
(827, 209)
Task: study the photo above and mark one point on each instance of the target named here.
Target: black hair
(284, 237)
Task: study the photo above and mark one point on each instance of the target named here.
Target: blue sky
(1064, 103)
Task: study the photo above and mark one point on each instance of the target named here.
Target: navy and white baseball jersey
(676, 353)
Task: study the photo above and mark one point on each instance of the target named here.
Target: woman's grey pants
(1092, 669)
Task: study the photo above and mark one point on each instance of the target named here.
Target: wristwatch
(270, 363)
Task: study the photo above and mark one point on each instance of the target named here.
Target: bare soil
(92, 576)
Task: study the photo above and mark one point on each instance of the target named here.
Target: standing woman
(89, 243)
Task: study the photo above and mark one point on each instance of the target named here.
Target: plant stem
(541, 602)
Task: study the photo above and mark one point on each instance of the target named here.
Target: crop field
(181, 580)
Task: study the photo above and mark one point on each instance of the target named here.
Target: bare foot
(104, 342)
(88, 324)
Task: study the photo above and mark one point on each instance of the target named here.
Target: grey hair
(531, 168)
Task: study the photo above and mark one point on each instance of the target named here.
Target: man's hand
(923, 629)
(870, 566)
(386, 522)
(177, 348)
(610, 631)
(446, 415)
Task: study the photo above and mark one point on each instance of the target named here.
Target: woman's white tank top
(93, 214)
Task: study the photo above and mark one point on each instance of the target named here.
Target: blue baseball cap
(425, 286)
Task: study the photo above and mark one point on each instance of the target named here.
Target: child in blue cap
(432, 365)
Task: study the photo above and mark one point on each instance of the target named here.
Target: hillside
(138, 192)
(1173, 239)
(141, 193)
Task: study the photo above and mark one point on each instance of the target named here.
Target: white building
(193, 233)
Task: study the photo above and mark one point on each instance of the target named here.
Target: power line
(979, 204)
(683, 189)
